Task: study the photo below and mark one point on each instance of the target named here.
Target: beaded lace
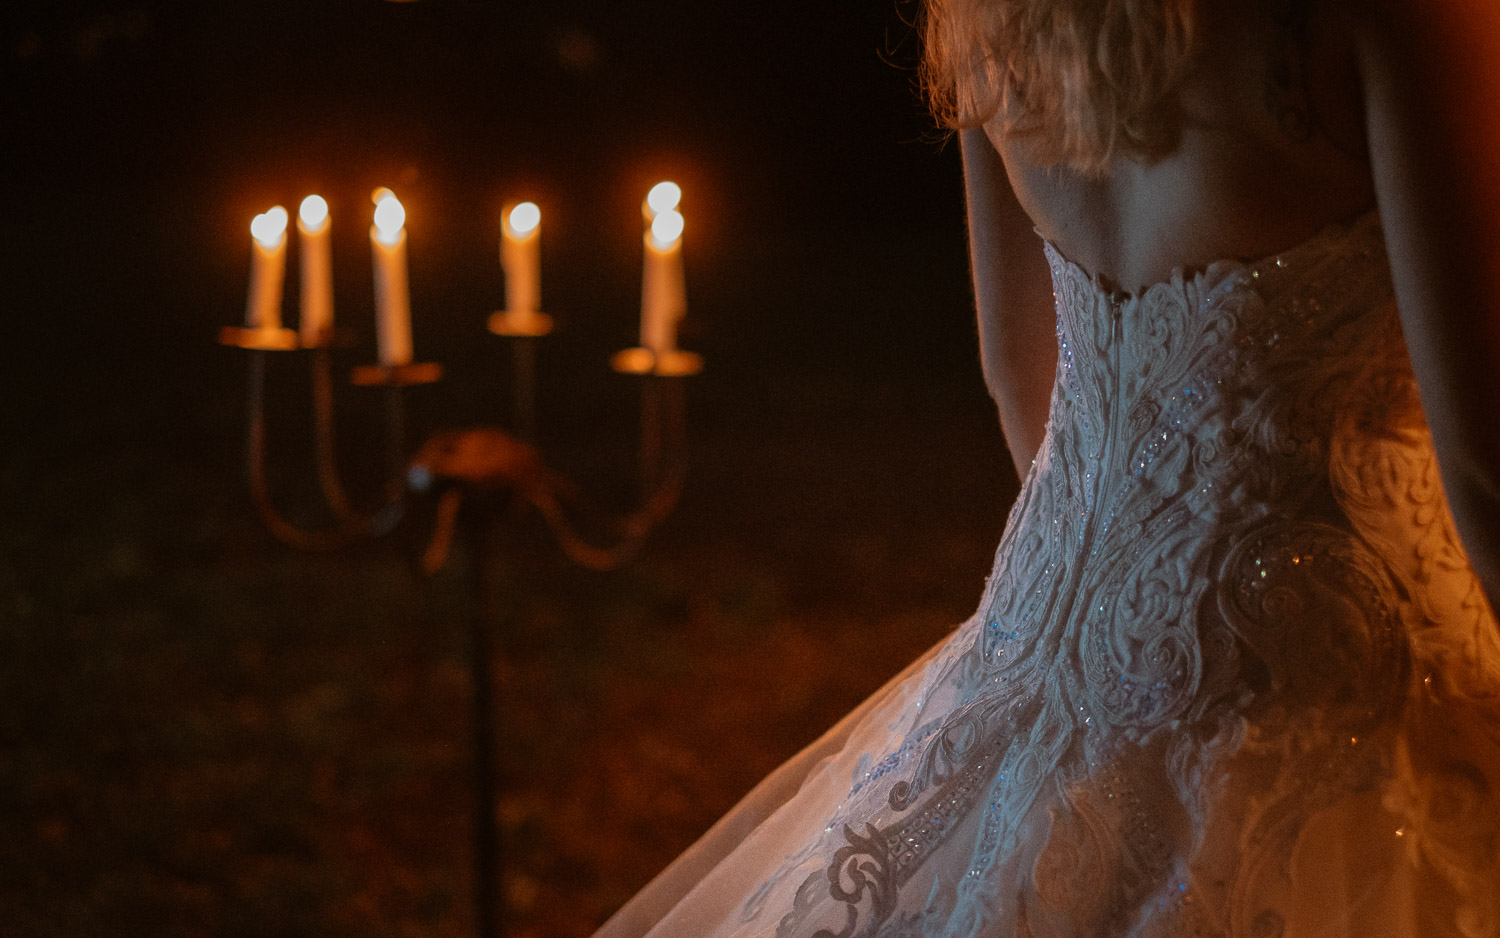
(1231, 675)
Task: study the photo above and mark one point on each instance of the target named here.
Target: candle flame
(663, 198)
(267, 228)
(389, 217)
(524, 218)
(666, 228)
(313, 211)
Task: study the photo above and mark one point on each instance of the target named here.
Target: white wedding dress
(1231, 675)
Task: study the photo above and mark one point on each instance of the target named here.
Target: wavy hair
(1086, 80)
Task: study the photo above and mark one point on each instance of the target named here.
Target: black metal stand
(489, 906)
(478, 473)
(525, 388)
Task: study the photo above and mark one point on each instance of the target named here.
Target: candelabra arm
(328, 473)
(636, 527)
(351, 530)
(457, 463)
(664, 471)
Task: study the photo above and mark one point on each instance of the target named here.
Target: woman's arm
(1432, 99)
(1013, 290)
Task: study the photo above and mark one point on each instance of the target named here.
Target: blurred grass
(202, 733)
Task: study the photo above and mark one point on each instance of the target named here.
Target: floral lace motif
(1230, 637)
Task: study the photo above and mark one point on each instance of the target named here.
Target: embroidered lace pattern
(1232, 674)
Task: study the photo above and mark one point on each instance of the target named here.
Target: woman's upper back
(1405, 107)
(1271, 150)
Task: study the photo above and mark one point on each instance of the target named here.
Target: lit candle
(663, 197)
(317, 271)
(392, 300)
(267, 270)
(520, 229)
(663, 296)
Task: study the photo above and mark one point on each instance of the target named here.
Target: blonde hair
(1086, 80)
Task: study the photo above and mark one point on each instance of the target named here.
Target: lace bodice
(1228, 575)
(1231, 675)
(1201, 431)
(1234, 548)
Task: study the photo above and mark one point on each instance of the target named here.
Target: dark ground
(203, 733)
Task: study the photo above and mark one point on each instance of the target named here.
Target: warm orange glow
(663, 197)
(524, 218)
(389, 217)
(313, 212)
(666, 228)
(269, 227)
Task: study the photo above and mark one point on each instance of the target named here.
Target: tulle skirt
(1399, 840)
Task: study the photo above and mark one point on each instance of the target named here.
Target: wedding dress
(1231, 675)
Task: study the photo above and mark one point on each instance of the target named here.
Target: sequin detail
(1229, 600)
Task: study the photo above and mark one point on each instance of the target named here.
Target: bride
(1236, 670)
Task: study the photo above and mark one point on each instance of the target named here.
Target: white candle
(520, 258)
(663, 295)
(392, 298)
(317, 271)
(267, 270)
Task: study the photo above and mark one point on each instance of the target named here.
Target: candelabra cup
(272, 339)
(520, 323)
(663, 363)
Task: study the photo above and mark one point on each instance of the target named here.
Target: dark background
(202, 732)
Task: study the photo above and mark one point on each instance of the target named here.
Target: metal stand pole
(525, 399)
(651, 434)
(488, 907)
(395, 415)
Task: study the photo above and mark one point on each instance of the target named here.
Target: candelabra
(470, 467)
